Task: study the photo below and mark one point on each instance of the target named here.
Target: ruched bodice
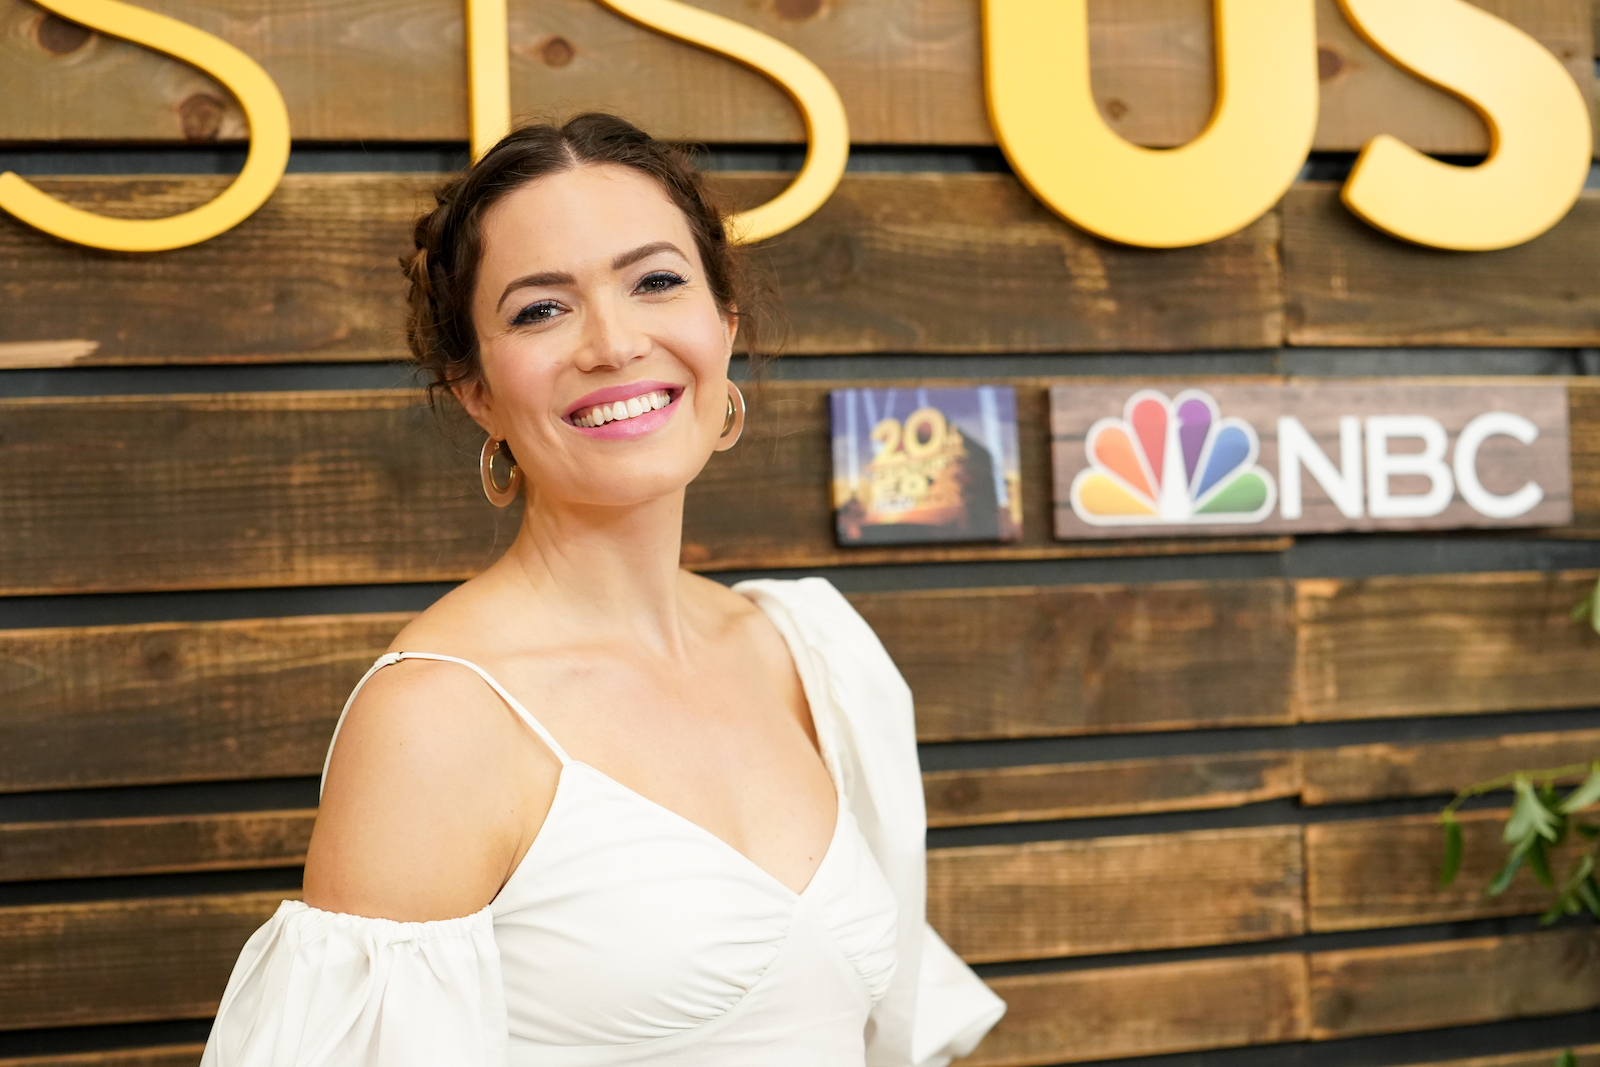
(629, 934)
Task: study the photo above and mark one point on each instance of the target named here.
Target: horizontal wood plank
(1454, 983)
(319, 488)
(1117, 894)
(1119, 787)
(178, 702)
(313, 276)
(1149, 1010)
(909, 72)
(159, 1056)
(1442, 645)
(1089, 659)
(122, 961)
(1355, 773)
(1346, 283)
(94, 848)
(1368, 873)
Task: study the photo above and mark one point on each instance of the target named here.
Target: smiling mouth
(621, 410)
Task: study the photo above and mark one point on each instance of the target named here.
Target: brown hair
(443, 271)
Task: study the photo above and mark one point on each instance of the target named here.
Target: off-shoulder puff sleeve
(316, 989)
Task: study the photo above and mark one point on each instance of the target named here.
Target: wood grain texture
(1583, 419)
(1368, 873)
(122, 960)
(1453, 983)
(159, 1056)
(909, 72)
(158, 703)
(1117, 894)
(1120, 787)
(153, 845)
(1346, 283)
(318, 488)
(313, 276)
(1115, 1012)
(1354, 773)
(178, 702)
(1442, 645)
(1089, 659)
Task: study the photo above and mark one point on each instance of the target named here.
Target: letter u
(1036, 67)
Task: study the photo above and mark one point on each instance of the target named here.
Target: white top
(631, 935)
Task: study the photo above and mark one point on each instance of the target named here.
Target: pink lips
(622, 429)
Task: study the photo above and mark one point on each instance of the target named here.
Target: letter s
(827, 130)
(1036, 74)
(263, 167)
(1539, 133)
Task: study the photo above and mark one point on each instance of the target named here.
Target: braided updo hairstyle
(443, 270)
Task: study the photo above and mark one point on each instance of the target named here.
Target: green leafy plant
(1541, 820)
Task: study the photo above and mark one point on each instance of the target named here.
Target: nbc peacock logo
(1169, 461)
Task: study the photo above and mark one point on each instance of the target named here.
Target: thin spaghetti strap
(395, 657)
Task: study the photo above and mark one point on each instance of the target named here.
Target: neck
(605, 568)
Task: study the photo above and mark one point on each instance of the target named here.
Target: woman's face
(591, 294)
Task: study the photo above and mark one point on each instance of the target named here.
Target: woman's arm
(434, 791)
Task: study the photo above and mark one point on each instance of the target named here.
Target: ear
(475, 400)
(731, 319)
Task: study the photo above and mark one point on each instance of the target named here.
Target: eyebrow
(628, 259)
(561, 277)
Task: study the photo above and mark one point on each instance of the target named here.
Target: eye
(540, 311)
(659, 281)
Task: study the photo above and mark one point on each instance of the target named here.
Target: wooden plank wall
(1177, 811)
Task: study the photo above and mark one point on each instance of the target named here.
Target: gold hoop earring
(733, 424)
(500, 497)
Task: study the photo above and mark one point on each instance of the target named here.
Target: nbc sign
(1183, 460)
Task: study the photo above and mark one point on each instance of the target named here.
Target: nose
(613, 336)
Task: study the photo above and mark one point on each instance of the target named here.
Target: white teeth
(623, 409)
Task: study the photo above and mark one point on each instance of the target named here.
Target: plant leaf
(1508, 872)
(1529, 817)
(1586, 794)
(1591, 832)
(1539, 864)
(1454, 846)
(1568, 1059)
(1589, 892)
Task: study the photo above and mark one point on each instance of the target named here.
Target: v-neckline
(824, 750)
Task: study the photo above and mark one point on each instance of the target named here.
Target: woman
(592, 809)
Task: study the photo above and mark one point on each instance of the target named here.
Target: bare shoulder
(749, 623)
(426, 800)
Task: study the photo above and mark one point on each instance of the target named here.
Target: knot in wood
(557, 52)
(58, 36)
(200, 115)
(798, 10)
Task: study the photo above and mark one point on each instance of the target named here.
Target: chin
(630, 484)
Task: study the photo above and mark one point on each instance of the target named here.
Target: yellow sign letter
(488, 74)
(1036, 66)
(827, 130)
(1539, 135)
(263, 167)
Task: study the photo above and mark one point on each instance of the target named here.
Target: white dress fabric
(631, 935)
